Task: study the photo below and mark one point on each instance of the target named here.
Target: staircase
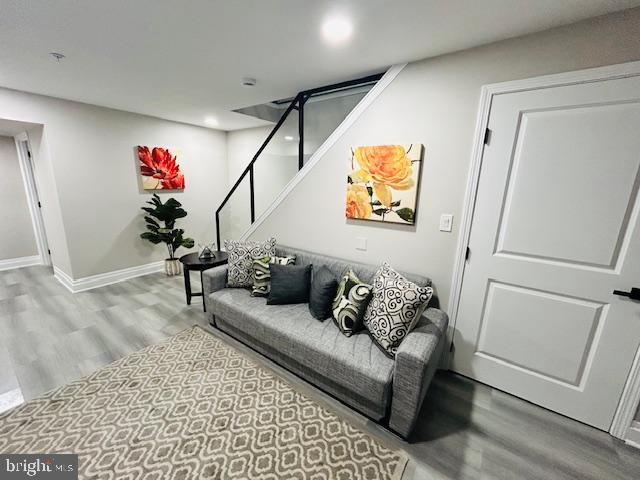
(307, 121)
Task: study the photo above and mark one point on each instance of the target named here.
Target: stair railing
(297, 103)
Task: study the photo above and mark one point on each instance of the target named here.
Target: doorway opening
(28, 169)
(25, 243)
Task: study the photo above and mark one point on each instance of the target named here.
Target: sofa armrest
(213, 280)
(416, 362)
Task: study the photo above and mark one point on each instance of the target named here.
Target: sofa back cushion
(338, 266)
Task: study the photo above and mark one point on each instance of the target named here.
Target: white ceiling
(183, 61)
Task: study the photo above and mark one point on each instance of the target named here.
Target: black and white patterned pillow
(394, 309)
(241, 255)
(262, 273)
(349, 303)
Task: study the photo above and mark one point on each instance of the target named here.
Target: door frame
(27, 167)
(631, 395)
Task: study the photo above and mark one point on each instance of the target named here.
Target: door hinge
(29, 153)
(39, 205)
(487, 136)
(467, 254)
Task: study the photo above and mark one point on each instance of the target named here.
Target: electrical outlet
(361, 244)
(446, 222)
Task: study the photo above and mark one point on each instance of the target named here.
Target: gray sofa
(352, 369)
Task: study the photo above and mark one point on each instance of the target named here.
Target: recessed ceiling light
(211, 121)
(288, 138)
(337, 29)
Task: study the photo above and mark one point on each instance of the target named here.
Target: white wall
(16, 235)
(88, 171)
(435, 102)
(48, 193)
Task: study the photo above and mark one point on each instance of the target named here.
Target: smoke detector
(248, 82)
(57, 56)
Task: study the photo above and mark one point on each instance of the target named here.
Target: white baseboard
(628, 403)
(63, 278)
(103, 279)
(633, 434)
(11, 263)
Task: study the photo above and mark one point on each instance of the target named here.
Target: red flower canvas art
(160, 169)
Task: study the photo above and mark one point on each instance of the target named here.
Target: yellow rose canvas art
(382, 184)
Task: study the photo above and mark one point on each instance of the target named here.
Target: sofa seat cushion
(360, 374)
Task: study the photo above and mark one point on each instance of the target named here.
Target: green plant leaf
(151, 221)
(165, 213)
(380, 211)
(406, 214)
(395, 204)
(375, 203)
(153, 238)
(370, 190)
(349, 179)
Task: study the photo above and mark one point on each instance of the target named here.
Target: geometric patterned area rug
(193, 407)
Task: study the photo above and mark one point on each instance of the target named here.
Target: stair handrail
(249, 170)
(299, 99)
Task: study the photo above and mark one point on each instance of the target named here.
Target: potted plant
(161, 220)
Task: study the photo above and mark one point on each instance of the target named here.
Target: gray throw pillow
(323, 289)
(394, 309)
(241, 255)
(289, 284)
(262, 273)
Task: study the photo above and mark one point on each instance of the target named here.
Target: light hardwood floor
(467, 430)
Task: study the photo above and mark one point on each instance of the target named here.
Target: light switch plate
(446, 222)
(361, 244)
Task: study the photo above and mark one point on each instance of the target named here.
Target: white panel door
(554, 232)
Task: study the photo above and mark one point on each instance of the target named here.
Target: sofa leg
(212, 320)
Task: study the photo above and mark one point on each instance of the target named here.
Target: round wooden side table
(192, 262)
